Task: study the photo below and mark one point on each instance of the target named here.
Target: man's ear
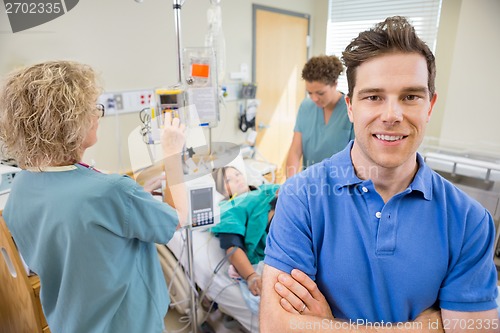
(431, 108)
(349, 108)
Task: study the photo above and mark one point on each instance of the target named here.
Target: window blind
(347, 18)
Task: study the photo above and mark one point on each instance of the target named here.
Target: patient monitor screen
(202, 212)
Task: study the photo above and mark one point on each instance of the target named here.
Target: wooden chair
(20, 308)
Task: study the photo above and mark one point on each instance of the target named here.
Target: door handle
(263, 126)
(10, 265)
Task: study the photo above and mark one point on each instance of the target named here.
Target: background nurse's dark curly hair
(323, 68)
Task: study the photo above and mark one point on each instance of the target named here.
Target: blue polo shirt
(384, 262)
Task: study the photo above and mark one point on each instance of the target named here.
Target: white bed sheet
(218, 287)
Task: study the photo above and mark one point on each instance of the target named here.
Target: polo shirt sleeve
(289, 243)
(471, 282)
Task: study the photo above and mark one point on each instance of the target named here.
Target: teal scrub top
(90, 238)
(246, 215)
(320, 140)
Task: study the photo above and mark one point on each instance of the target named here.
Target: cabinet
(20, 308)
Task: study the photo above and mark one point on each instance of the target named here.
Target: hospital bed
(210, 276)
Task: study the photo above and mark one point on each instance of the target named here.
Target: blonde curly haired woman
(88, 235)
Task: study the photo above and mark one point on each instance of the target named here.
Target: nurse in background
(322, 127)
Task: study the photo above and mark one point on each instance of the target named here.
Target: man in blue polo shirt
(384, 237)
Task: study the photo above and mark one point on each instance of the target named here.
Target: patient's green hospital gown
(247, 215)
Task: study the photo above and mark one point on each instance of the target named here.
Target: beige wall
(471, 112)
(448, 23)
(319, 24)
(133, 47)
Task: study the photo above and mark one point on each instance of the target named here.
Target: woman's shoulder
(308, 111)
(307, 103)
(109, 182)
(269, 187)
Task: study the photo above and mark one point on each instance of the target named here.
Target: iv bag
(215, 38)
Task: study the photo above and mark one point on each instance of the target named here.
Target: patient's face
(235, 182)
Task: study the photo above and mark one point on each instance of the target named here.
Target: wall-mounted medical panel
(120, 102)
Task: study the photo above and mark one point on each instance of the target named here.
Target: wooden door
(280, 52)
(17, 299)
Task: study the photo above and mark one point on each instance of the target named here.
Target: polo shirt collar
(341, 164)
(422, 181)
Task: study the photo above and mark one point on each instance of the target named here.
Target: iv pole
(177, 20)
(177, 6)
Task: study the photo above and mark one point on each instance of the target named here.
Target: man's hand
(301, 295)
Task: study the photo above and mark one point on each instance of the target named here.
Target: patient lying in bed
(245, 216)
(210, 260)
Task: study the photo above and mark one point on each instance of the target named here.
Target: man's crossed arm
(293, 303)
